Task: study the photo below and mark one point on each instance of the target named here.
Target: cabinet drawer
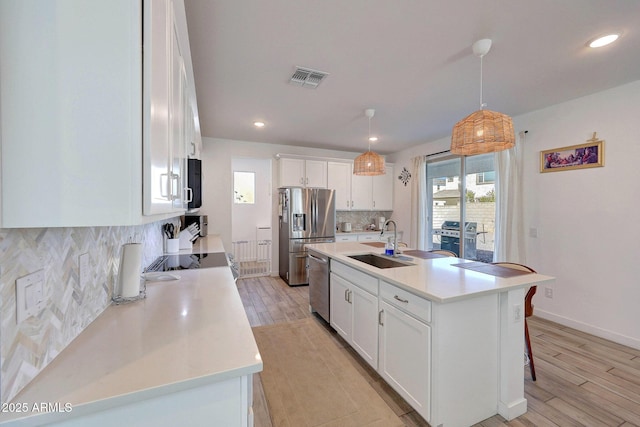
(406, 301)
(346, 238)
(362, 280)
(371, 237)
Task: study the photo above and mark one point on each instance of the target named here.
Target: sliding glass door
(461, 212)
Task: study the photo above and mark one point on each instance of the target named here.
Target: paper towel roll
(129, 274)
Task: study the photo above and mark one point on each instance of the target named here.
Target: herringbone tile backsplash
(28, 347)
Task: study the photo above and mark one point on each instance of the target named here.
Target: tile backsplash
(27, 347)
(360, 219)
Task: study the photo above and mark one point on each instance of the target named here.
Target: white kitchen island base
(449, 340)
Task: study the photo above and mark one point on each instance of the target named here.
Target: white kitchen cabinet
(74, 110)
(339, 179)
(382, 190)
(405, 356)
(373, 192)
(361, 193)
(303, 173)
(346, 237)
(170, 125)
(354, 310)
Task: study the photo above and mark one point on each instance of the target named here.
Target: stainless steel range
(188, 261)
(450, 238)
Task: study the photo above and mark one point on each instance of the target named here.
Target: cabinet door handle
(349, 299)
(301, 180)
(374, 203)
(380, 322)
(396, 297)
(189, 196)
(346, 295)
(307, 181)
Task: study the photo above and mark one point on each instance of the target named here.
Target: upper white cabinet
(75, 109)
(371, 192)
(169, 131)
(382, 190)
(303, 173)
(339, 179)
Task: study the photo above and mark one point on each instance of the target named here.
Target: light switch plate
(29, 295)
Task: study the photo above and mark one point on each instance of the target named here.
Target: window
(244, 187)
(486, 178)
(447, 205)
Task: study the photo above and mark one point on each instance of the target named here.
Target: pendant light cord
(481, 103)
(369, 138)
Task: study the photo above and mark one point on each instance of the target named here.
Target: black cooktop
(188, 261)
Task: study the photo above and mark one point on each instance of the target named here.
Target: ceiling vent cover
(306, 77)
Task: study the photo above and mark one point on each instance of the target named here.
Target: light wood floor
(582, 380)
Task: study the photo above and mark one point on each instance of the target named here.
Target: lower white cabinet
(354, 313)
(346, 237)
(405, 356)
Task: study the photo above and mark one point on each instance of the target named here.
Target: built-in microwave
(194, 182)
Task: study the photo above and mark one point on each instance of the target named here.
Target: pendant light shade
(369, 163)
(484, 131)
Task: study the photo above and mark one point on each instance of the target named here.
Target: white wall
(588, 237)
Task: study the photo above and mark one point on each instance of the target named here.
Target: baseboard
(590, 329)
(513, 410)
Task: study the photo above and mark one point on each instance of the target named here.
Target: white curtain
(509, 234)
(418, 203)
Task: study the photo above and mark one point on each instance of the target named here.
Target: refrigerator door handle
(314, 211)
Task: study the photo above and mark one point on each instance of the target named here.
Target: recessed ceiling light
(373, 138)
(605, 40)
(258, 124)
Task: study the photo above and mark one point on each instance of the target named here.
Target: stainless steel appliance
(306, 215)
(194, 182)
(450, 238)
(318, 265)
(188, 261)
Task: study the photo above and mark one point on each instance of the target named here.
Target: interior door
(252, 205)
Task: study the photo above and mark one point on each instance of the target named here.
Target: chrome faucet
(395, 235)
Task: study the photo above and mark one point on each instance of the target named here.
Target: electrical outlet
(29, 295)
(533, 232)
(83, 267)
(517, 313)
(548, 292)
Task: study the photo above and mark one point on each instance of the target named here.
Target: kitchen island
(185, 355)
(449, 339)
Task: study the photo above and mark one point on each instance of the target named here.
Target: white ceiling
(411, 60)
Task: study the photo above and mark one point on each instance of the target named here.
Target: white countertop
(435, 279)
(186, 333)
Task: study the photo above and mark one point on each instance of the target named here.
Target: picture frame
(581, 156)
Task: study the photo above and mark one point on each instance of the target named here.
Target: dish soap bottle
(388, 247)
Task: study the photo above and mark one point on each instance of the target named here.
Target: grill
(450, 238)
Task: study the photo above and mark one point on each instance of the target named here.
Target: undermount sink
(379, 261)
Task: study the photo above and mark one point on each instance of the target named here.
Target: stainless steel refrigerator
(307, 215)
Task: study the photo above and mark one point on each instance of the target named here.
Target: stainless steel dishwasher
(318, 266)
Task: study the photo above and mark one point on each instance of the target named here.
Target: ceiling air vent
(307, 77)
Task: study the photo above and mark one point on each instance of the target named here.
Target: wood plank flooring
(582, 380)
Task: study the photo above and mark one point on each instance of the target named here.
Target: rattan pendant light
(484, 131)
(369, 163)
